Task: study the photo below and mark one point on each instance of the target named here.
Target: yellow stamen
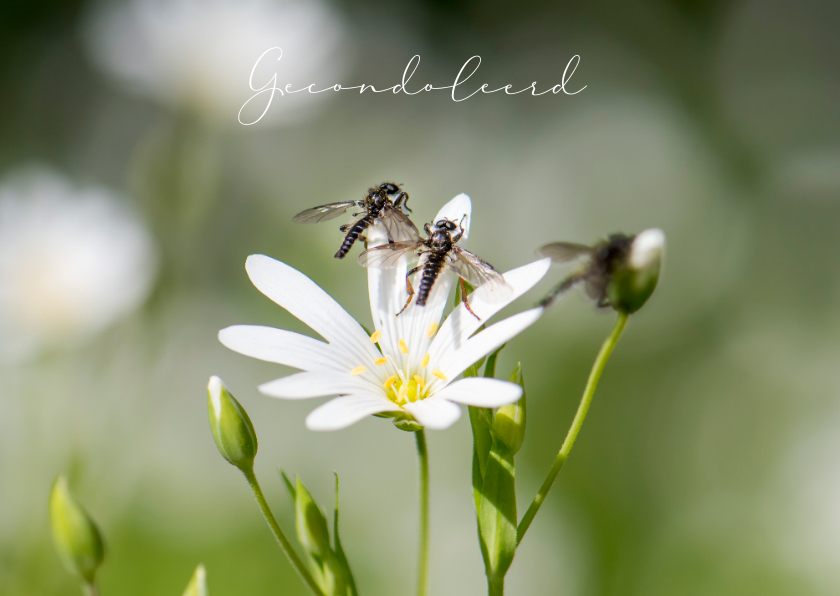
(439, 374)
(420, 382)
(432, 329)
(389, 381)
(425, 361)
(358, 370)
(403, 347)
(402, 393)
(374, 337)
(380, 361)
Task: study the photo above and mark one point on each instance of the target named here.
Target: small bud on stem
(76, 537)
(634, 281)
(232, 429)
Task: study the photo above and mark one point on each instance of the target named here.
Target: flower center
(406, 383)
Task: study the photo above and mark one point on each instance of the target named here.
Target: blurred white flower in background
(199, 54)
(72, 261)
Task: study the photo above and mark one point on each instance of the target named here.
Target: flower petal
(284, 347)
(317, 384)
(435, 414)
(485, 342)
(461, 324)
(386, 288)
(304, 299)
(343, 411)
(481, 392)
(455, 210)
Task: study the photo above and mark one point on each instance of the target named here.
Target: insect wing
(479, 272)
(323, 212)
(400, 227)
(563, 252)
(387, 255)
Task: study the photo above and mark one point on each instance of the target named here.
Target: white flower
(71, 262)
(415, 372)
(200, 53)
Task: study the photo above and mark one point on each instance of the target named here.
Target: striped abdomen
(431, 271)
(358, 228)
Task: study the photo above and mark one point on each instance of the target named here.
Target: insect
(436, 252)
(599, 263)
(382, 204)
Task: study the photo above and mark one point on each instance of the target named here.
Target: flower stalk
(423, 556)
(577, 423)
(284, 543)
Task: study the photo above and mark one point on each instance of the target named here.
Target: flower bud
(509, 422)
(633, 282)
(409, 426)
(76, 537)
(198, 583)
(232, 429)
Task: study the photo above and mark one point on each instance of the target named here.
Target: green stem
(285, 545)
(423, 560)
(588, 393)
(90, 589)
(496, 587)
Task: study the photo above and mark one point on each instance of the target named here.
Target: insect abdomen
(356, 231)
(431, 271)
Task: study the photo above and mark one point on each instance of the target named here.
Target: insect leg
(559, 289)
(464, 298)
(409, 287)
(402, 201)
(460, 233)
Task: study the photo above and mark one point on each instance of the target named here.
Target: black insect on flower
(386, 204)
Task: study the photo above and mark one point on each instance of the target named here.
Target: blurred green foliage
(705, 464)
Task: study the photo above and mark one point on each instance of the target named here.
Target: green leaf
(497, 511)
(288, 484)
(490, 368)
(340, 557)
(482, 439)
(310, 523)
(509, 422)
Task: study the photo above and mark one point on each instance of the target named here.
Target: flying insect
(598, 263)
(436, 252)
(386, 204)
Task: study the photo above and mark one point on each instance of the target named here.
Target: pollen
(374, 337)
(420, 382)
(358, 370)
(432, 330)
(439, 374)
(425, 362)
(389, 381)
(380, 361)
(403, 347)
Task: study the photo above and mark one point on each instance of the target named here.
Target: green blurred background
(130, 198)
